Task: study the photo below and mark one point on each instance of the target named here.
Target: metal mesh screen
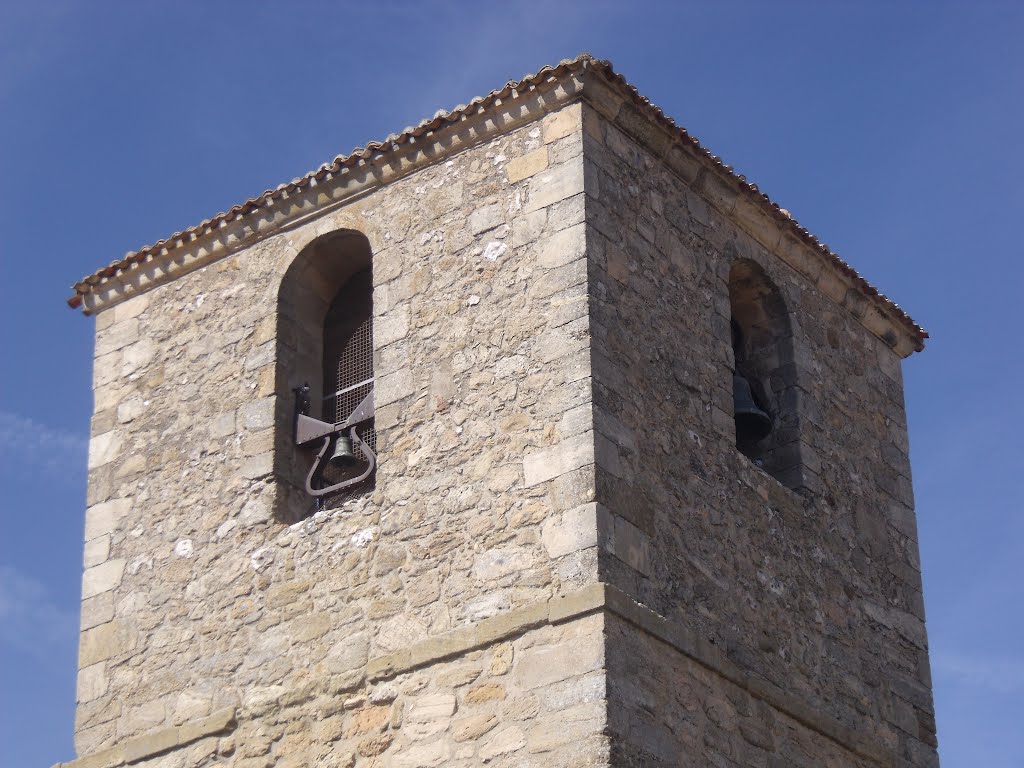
(348, 354)
(354, 376)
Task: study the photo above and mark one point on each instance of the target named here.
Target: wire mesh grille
(354, 377)
(348, 365)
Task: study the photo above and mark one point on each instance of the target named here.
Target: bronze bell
(752, 423)
(342, 455)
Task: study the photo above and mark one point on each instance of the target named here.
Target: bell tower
(532, 435)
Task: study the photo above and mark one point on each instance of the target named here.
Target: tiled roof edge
(396, 141)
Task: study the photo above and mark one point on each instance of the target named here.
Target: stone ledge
(488, 631)
(140, 747)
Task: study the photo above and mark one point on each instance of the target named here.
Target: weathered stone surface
(555, 184)
(92, 682)
(434, 707)
(423, 755)
(101, 518)
(101, 578)
(108, 640)
(104, 448)
(528, 165)
(503, 742)
(562, 247)
(573, 530)
(473, 727)
(570, 454)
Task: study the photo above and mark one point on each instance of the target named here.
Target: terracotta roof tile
(442, 117)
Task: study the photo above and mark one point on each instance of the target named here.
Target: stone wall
(554, 410)
(198, 595)
(674, 712)
(817, 592)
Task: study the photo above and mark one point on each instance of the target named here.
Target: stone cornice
(499, 112)
(292, 206)
(136, 748)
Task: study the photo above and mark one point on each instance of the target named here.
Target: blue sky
(892, 130)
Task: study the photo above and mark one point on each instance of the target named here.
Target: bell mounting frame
(308, 431)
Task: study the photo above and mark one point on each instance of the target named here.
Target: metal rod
(348, 389)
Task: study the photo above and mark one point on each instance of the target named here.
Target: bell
(342, 456)
(752, 423)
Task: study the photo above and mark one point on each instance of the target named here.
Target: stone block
(394, 387)
(528, 228)
(549, 735)
(632, 546)
(571, 453)
(570, 531)
(503, 742)
(683, 162)
(527, 165)
(721, 191)
(382, 667)
(481, 694)
(562, 247)
(473, 727)
(554, 184)
(438, 706)
(258, 414)
(97, 610)
(578, 603)
(221, 721)
(146, 745)
(107, 758)
(509, 623)
(484, 219)
(562, 123)
(104, 448)
(92, 682)
(117, 336)
(105, 642)
(131, 307)
(258, 466)
(606, 455)
(422, 755)
(137, 356)
(371, 719)
(102, 577)
(103, 519)
(542, 665)
(392, 327)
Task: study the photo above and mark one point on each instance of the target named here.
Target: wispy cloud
(29, 619)
(38, 449)
(999, 674)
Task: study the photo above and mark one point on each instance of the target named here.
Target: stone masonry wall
(817, 592)
(687, 716)
(534, 701)
(197, 597)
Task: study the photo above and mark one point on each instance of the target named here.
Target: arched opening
(764, 377)
(325, 371)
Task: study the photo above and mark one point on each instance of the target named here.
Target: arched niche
(333, 267)
(762, 338)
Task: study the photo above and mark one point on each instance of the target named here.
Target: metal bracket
(309, 430)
